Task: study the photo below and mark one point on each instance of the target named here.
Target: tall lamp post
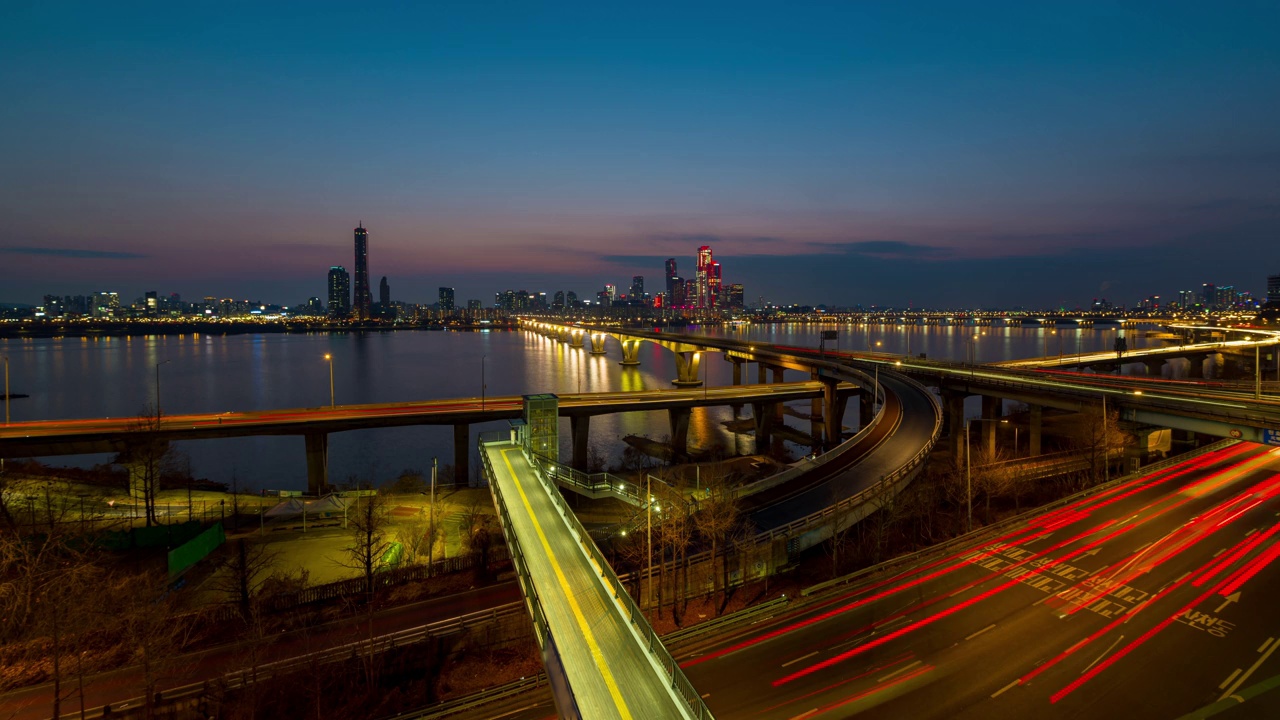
(332, 398)
(482, 386)
(162, 362)
(6, 389)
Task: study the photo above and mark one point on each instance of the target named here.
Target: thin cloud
(73, 253)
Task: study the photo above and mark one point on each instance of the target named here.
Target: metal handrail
(649, 639)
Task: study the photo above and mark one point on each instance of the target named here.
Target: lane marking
(806, 657)
(1265, 644)
(587, 635)
(974, 635)
(1104, 654)
(1002, 690)
(899, 671)
(1230, 677)
(1240, 681)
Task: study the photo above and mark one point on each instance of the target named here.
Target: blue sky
(943, 154)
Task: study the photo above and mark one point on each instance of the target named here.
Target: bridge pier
(761, 377)
(832, 411)
(778, 374)
(953, 412)
(991, 411)
(317, 462)
(764, 416)
(461, 454)
(1195, 367)
(575, 340)
(630, 352)
(866, 408)
(687, 365)
(1154, 367)
(679, 418)
(597, 344)
(1037, 417)
(580, 429)
(737, 369)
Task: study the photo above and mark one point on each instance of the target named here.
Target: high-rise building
(714, 298)
(636, 293)
(339, 292)
(571, 299)
(384, 296)
(1273, 290)
(363, 297)
(1209, 295)
(557, 301)
(611, 290)
(735, 296)
(446, 299)
(673, 279)
(700, 296)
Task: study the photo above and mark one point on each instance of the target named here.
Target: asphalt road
(1154, 599)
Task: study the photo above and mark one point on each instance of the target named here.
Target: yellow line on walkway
(590, 637)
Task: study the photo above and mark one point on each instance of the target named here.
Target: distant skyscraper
(1273, 290)
(557, 300)
(339, 292)
(474, 305)
(446, 299)
(735, 296)
(636, 293)
(384, 295)
(571, 299)
(704, 268)
(1209, 295)
(673, 279)
(363, 298)
(714, 299)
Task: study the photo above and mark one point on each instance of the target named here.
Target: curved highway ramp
(603, 658)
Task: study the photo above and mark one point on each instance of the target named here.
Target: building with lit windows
(363, 296)
(339, 293)
(701, 294)
(446, 300)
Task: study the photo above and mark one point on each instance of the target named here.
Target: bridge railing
(645, 635)
(566, 704)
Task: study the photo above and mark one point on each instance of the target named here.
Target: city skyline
(997, 156)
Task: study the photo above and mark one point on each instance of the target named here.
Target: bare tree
(718, 517)
(243, 574)
(147, 459)
(149, 626)
(1095, 438)
(369, 526)
(413, 533)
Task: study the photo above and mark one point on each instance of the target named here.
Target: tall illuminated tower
(363, 300)
(703, 286)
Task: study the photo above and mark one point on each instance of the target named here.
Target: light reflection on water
(115, 377)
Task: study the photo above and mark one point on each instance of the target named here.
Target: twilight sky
(935, 153)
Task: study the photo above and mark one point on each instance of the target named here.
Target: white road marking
(1104, 654)
(806, 657)
(974, 635)
(1001, 691)
(899, 671)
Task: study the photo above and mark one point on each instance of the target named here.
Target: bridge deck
(609, 672)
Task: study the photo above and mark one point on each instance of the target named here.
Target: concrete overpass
(119, 435)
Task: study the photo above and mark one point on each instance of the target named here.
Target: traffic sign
(1271, 437)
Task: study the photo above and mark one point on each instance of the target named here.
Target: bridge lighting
(329, 358)
(1137, 392)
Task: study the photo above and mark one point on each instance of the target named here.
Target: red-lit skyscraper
(703, 278)
(363, 300)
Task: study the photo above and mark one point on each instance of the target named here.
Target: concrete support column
(597, 344)
(992, 408)
(761, 377)
(1154, 366)
(1037, 417)
(737, 370)
(461, 454)
(953, 403)
(832, 411)
(575, 338)
(580, 428)
(764, 415)
(679, 418)
(630, 352)
(687, 367)
(778, 374)
(866, 408)
(1196, 368)
(317, 462)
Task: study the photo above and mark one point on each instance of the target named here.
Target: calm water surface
(114, 377)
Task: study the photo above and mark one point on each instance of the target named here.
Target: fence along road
(613, 665)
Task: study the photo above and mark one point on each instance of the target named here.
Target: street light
(163, 362)
(332, 398)
(6, 389)
(482, 385)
